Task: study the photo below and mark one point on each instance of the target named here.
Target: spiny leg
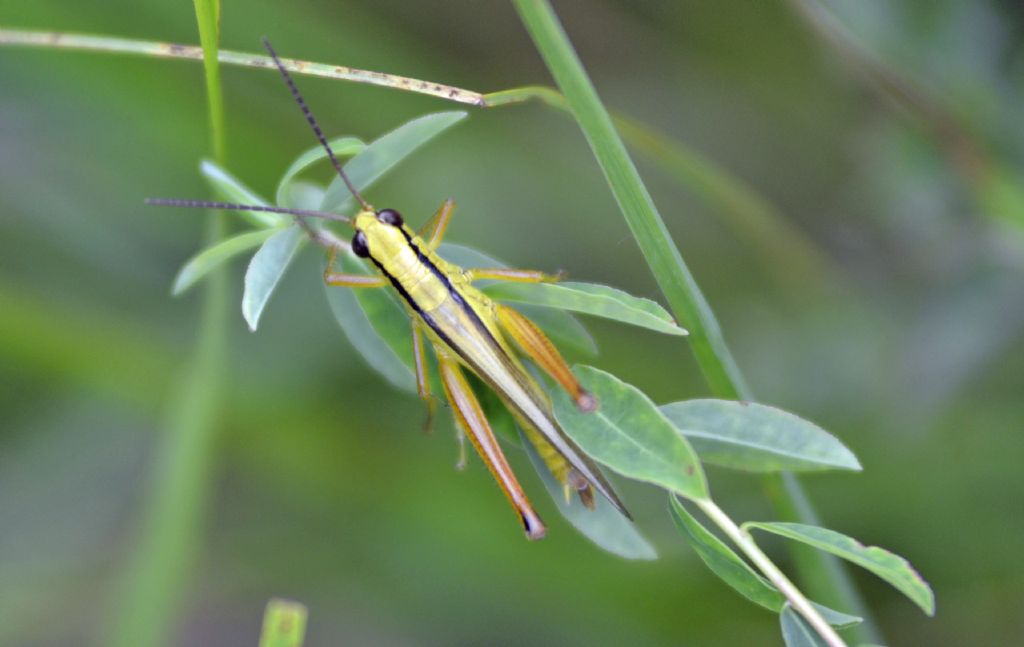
(471, 417)
(539, 348)
(350, 280)
(433, 230)
(515, 276)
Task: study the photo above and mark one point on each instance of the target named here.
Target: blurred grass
(159, 569)
(310, 460)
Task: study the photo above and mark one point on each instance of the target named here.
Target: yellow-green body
(461, 321)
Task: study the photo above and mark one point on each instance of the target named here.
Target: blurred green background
(909, 347)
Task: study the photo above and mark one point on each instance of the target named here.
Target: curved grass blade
(383, 153)
(230, 189)
(630, 435)
(604, 525)
(563, 328)
(266, 268)
(342, 147)
(757, 438)
(284, 624)
(213, 257)
(890, 567)
(592, 299)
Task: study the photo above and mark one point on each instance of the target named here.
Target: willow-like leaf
(757, 438)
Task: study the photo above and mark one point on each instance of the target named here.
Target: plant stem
(662, 256)
(159, 568)
(746, 543)
(88, 42)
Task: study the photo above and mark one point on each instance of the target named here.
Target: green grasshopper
(466, 329)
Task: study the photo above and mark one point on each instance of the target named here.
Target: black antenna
(231, 206)
(316, 127)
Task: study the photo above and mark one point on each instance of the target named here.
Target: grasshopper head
(380, 231)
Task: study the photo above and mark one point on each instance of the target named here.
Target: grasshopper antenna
(314, 125)
(231, 206)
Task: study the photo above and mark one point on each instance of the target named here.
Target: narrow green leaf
(837, 619)
(890, 567)
(630, 435)
(265, 270)
(342, 147)
(796, 632)
(724, 562)
(284, 624)
(563, 328)
(604, 525)
(734, 571)
(213, 257)
(757, 438)
(230, 189)
(375, 325)
(383, 153)
(592, 299)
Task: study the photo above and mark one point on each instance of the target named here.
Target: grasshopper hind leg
(470, 416)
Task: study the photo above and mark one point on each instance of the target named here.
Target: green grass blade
(666, 263)
(213, 257)
(890, 567)
(630, 435)
(592, 299)
(757, 438)
(158, 570)
(284, 624)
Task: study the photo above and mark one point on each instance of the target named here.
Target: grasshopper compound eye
(390, 217)
(359, 245)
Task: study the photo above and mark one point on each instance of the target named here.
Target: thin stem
(746, 543)
(61, 40)
(159, 569)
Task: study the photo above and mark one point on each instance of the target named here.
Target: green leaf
(890, 567)
(376, 326)
(837, 619)
(756, 437)
(796, 632)
(589, 298)
(213, 257)
(284, 624)
(342, 147)
(724, 562)
(734, 571)
(228, 188)
(630, 435)
(382, 154)
(605, 526)
(265, 270)
(563, 329)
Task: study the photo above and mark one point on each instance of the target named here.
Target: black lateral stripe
(412, 304)
(441, 276)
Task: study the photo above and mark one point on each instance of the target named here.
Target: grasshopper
(467, 331)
